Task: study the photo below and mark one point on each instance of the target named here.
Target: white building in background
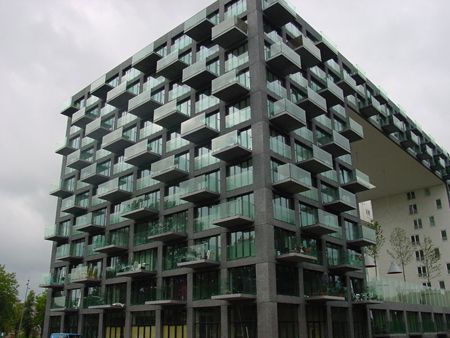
(423, 212)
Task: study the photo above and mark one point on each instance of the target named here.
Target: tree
(8, 299)
(374, 250)
(28, 315)
(401, 248)
(431, 260)
(41, 301)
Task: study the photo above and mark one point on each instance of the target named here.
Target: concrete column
(223, 321)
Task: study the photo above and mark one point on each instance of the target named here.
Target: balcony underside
(346, 87)
(331, 97)
(230, 92)
(324, 299)
(64, 310)
(335, 149)
(70, 258)
(116, 306)
(116, 195)
(136, 274)
(65, 150)
(230, 37)
(111, 249)
(200, 195)
(148, 63)
(200, 134)
(61, 192)
(57, 238)
(311, 108)
(140, 213)
(142, 159)
(200, 80)
(82, 121)
(308, 59)
(91, 228)
(291, 186)
(296, 257)
(314, 165)
(86, 281)
(278, 15)
(98, 133)
(95, 179)
(355, 186)
(233, 222)
(121, 100)
(144, 109)
(283, 65)
(352, 135)
(79, 164)
(167, 236)
(172, 71)
(171, 174)
(343, 268)
(234, 297)
(75, 210)
(118, 145)
(368, 111)
(327, 52)
(166, 302)
(231, 153)
(199, 264)
(201, 31)
(318, 229)
(390, 128)
(339, 206)
(52, 286)
(361, 242)
(286, 121)
(102, 90)
(172, 119)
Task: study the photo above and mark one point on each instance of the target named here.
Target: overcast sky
(52, 48)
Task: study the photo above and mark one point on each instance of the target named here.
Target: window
(448, 268)
(432, 221)
(427, 284)
(415, 239)
(412, 209)
(419, 255)
(444, 235)
(422, 271)
(442, 284)
(411, 195)
(418, 223)
(438, 204)
(427, 192)
(437, 253)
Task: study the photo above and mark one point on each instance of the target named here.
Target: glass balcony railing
(66, 251)
(243, 285)
(168, 227)
(113, 239)
(241, 249)
(314, 159)
(229, 31)
(201, 252)
(170, 168)
(283, 214)
(204, 160)
(149, 130)
(121, 167)
(205, 222)
(75, 204)
(340, 196)
(312, 217)
(280, 148)
(140, 202)
(322, 288)
(61, 303)
(200, 184)
(361, 233)
(287, 115)
(231, 85)
(57, 231)
(291, 174)
(351, 258)
(167, 293)
(176, 143)
(116, 218)
(144, 182)
(240, 180)
(200, 127)
(233, 210)
(297, 245)
(104, 300)
(83, 273)
(52, 280)
(116, 184)
(231, 145)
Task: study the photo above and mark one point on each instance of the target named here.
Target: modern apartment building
(209, 188)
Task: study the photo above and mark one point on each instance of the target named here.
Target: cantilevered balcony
(313, 104)
(335, 144)
(138, 270)
(171, 66)
(69, 108)
(282, 59)
(96, 173)
(231, 146)
(293, 249)
(347, 84)
(84, 116)
(79, 159)
(201, 256)
(242, 289)
(145, 60)
(170, 169)
(234, 214)
(92, 223)
(231, 85)
(200, 188)
(327, 49)
(199, 26)
(143, 105)
(314, 160)
(140, 207)
(61, 304)
(346, 262)
(409, 139)
(356, 182)
(424, 152)
(100, 87)
(110, 301)
(52, 281)
(353, 131)
(318, 222)
(287, 115)
(119, 139)
(370, 107)
(120, 95)
(229, 32)
(113, 243)
(171, 114)
(332, 94)
(392, 124)
(339, 200)
(309, 53)
(67, 148)
(278, 12)
(75, 205)
(361, 235)
(118, 189)
(143, 153)
(168, 295)
(200, 74)
(64, 189)
(89, 275)
(168, 231)
(57, 233)
(98, 128)
(69, 253)
(200, 128)
(320, 291)
(291, 179)
(438, 162)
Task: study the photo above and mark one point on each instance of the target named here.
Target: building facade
(209, 188)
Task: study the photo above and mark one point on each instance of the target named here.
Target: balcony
(111, 244)
(120, 95)
(114, 301)
(143, 105)
(91, 223)
(438, 162)
(96, 173)
(61, 304)
(392, 124)
(278, 12)
(409, 139)
(231, 86)
(323, 292)
(200, 74)
(314, 104)
(332, 94)
(118, 189)
(199, 26)
(89, 275)
(291, 179)
(297, 250)
(335, 144)
(353, 131)
(347, 84)
(315, 160)
(287, 115)
(357, 182)
(171, 66)
(327, 49)
(97, 129)
(282, 59)
(425, 152)
(170, 169)
(84, 116)
(231, 146)
(171, 114)
(229, 32)
(363, 235)
(138, 270)
(234, 214)
(168, 295)
(69, 108)
(140, 207)
(57, 233)
(75, 205)
(169, 231)
(309, 53)
(318, 222)
(242, 289)
(200, 128)
(52, 281)
(145, 60)
(117, 140)
(370, 107)
(69, 253)
(100, 87)
(66, 149)
(200, 188)
(79, 159)
(339, 201)
(201, 256)
(63, 190)
(343, 263)
(143, 153)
